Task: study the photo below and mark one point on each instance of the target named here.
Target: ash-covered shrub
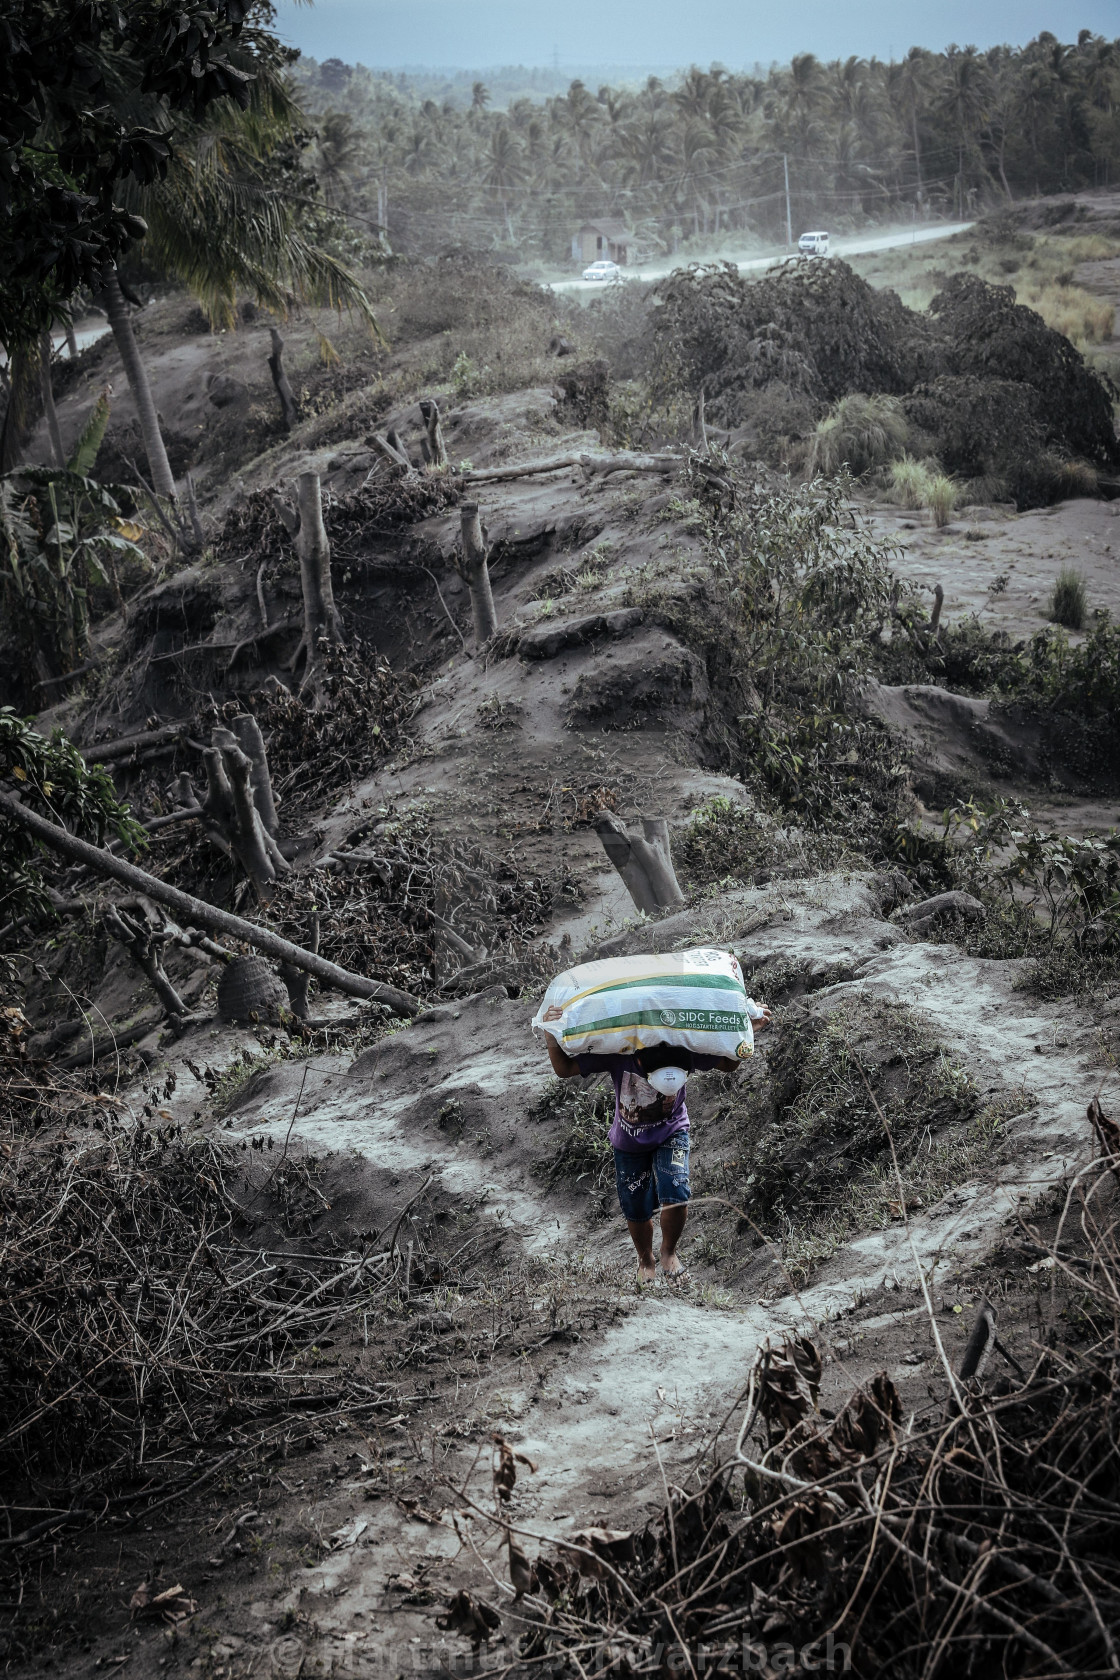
(978, 426)
(816, 327)
(988, 336)
(815, 1155)
(586, 393)
(724, 842)
(618, 324)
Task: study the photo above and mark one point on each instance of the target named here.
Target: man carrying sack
(649, 1022)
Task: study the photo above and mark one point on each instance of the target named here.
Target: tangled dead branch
(141, 1321)
(313, 754)
(402, 897)
(984, 1535)
(389, 504)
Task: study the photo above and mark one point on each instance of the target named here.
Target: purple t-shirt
(643, 1118)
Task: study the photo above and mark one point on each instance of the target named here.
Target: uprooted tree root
(984, 1536)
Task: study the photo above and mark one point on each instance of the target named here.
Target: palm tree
(340, 144)
(963, 99)
(505, 168)
(698, 154)
(909, 84)
(225, 219)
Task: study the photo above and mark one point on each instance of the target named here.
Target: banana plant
(62, 533)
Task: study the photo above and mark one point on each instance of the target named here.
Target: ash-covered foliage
(811, 1124)
(987, 335)
(813, 326)
(981, 1535)
(420, 907)
(982, 381)
(797, 598)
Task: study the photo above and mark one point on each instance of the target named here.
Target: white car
(603, 271)
(813, 244)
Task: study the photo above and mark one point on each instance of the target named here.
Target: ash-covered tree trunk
(434, 447)
(477, 573)
(112, 300)
(314, 550)
(53, 431)
(289, 413)
(643, 860)
(305, 524)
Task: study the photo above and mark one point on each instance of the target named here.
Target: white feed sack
(693, 999)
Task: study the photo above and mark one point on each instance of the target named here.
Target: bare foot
(647, 1271)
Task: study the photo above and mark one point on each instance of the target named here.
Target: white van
(813, 244)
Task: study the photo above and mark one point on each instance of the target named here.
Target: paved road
(857, 246)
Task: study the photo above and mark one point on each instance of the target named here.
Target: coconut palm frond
(222, 230)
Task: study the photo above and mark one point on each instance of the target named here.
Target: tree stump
(477, 573)
(305, 523)
(238, 812)
(297, 980)
(289, 413)
(643, 860)
(436, 449)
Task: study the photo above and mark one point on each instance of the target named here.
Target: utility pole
(789, 213)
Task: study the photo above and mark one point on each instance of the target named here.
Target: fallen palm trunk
(592, 466)
(523, 469)
(110, 751)
(600, 466)
(196, 911)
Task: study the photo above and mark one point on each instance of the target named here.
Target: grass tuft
(859, 433)
(1068, 603)
(940, 498)
(909, 480)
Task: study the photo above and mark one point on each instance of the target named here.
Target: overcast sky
(393, 34)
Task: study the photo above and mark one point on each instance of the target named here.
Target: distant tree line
(932, 134)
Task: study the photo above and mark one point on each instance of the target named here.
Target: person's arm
(564, 1067)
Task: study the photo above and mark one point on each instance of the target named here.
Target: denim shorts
(652, 1177)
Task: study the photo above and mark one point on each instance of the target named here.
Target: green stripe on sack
(682, 1020)
(709, 982)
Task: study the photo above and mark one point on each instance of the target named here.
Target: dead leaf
(171, 1605)
(790, 1382)
(349, 1535)
(504, 1467)
(614, 1545)
(470, 1616)
(520, 1569)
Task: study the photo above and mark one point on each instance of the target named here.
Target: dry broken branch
(194, 911)
(144, 945)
